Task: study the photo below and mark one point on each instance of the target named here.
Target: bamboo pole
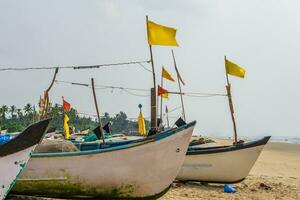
(153, 90)
(161, 100)
(46, 96)
(97, 110)
(63, 111)
(228, 89)
(179, 85)
(167, 113)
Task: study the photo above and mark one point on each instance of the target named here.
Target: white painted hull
(140, 171)
(10, 167)
(15, 154)
(223, 167)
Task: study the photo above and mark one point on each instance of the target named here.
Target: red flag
(161, 91)
(66, 105)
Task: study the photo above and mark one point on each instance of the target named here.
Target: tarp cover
(4, 139)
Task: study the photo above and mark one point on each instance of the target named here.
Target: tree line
(15, 119)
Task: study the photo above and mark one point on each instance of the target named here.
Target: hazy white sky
(261, 36)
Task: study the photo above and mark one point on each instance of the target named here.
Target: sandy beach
(276, 175)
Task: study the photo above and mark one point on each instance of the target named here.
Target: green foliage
(15, 119)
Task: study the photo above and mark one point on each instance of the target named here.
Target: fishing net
(52, 146)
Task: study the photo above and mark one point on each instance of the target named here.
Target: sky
(261, 36)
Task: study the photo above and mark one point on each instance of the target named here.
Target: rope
(76, 67)
(130, 89)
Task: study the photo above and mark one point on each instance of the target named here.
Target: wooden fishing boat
(223, 164)
(15, 154)
(143, 169)
(219, 164)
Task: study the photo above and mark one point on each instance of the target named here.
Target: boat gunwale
(221, 149)
(150, 139)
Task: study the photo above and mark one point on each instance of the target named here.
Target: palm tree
(4, 110)
(12, 111)
(19, 113)
(27, 109)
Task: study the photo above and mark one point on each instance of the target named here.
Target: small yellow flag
(66, 126)
(161, 35)
(234, 70)
(165, 95)
(141, 124)
(166, 75)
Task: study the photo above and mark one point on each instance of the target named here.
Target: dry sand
(276, 175)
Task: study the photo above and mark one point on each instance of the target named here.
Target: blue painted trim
(157, 137)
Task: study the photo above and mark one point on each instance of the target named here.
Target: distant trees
(15, 119)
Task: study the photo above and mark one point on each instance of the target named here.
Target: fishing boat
(15, 153)
(137, 170)
(219, 164)
(225, 164)
(222, 164)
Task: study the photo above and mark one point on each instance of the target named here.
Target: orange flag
(162, 92)
(167, 75)
(66, 105)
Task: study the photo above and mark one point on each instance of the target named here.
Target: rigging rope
(140, 63)
(130, 89)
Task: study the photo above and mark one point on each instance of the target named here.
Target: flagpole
(228, 89)
(153, 90)
(167, 113)
(96, 105)
(179, 85)
(63, 114)
(161, 99)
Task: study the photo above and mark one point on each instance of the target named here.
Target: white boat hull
(10, 167)
(222, 166)
(15, 154)
(134, 170)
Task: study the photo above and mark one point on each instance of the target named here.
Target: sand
(276, 175)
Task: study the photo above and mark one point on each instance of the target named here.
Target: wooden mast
(96, 105)
(228, 89)
(161, 99)
(46, 96)
(153, 90)
(179, 85)
(167, 113)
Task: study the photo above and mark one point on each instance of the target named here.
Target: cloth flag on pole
(167, 75)
(141, 124)
(161, 35)
(233, 69)
(162, 92)
(66, 105)
(66, 127)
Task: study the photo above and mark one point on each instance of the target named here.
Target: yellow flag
(141, 124)
(234, 70)
(167, 75)
(161, 35)
(66, 126)
(165, 95)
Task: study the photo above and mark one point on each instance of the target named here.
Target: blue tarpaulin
(4, 139)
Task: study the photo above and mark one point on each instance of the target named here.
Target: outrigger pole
(228, 89)
(97, 110)
(179, 85)
(153, 90)
(46, 96)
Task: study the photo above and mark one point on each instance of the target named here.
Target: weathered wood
(97, 109)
